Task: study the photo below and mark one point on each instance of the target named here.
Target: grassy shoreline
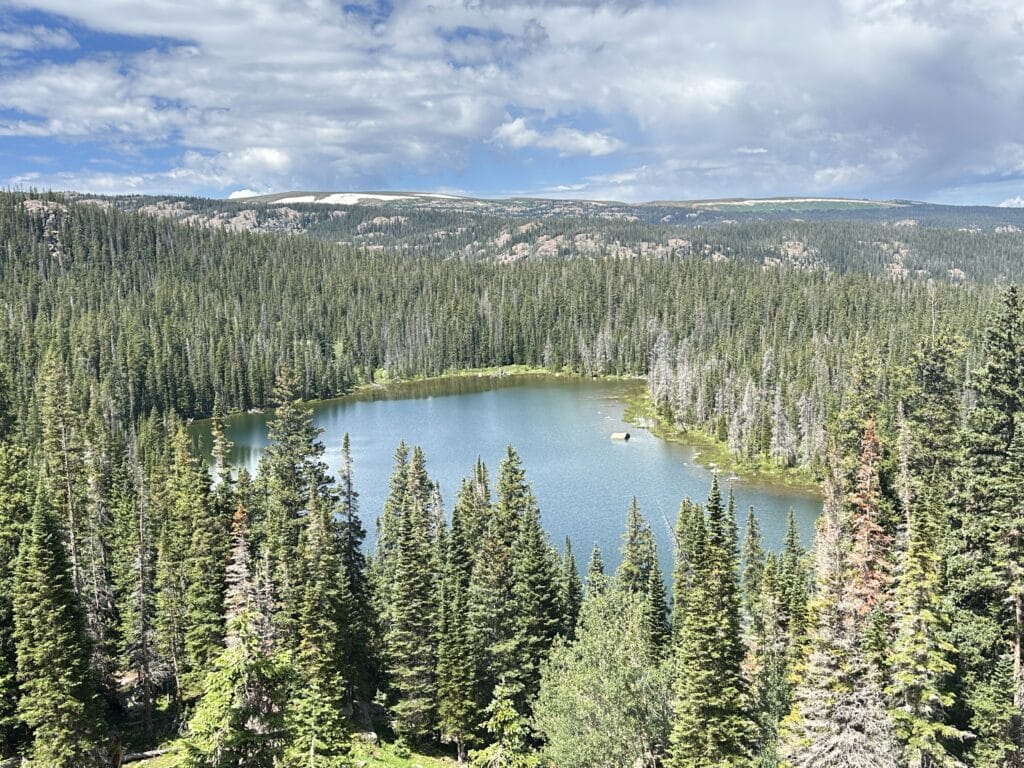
(712, 452)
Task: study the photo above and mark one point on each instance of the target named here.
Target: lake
(583, 480)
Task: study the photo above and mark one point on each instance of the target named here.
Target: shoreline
(638, 410)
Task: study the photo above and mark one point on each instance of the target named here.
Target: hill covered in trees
(144, 600)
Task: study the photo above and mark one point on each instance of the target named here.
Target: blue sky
(624, 99)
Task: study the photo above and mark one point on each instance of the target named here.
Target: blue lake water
(583, 480)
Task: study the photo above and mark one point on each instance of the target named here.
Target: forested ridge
(145, 600)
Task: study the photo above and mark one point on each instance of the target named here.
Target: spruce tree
(294, 473)
(495, 600)
(921, 663)
(596, 581)
(640, 574)
(839, 716)
(572, 591)
(411, 638)
(457, 661)
(536, 575)
(317, 728)
(57, 700)
(133, 571)
(752, 566)
(714, 725)
(688, 529)
(15, 509)
(204, 575)
(239, 722)
(361, 661)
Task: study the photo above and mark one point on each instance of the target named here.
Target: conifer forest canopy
(221, 618)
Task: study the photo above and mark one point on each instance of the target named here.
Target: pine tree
(689, 528)
(572, 591)
(921, 666)
(596, 581)
(714, 725)
(538, 606)
(494, 605)
(984, 572)
(57, 700)
(318, 732)
(752, 566)
(294, 473)
(412, 630)
(239, 722)
(794, 585)
(388, 534)
(133, 571)
(509, 733)
(15, 508)
(204, 574)
(839, 717)
(361, 661)
(457, 660)
(637, 552)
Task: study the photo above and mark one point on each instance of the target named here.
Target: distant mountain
(898, 238)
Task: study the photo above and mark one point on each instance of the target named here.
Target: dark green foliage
(239, 721)
(14, 514)
(572, 591)
(640, 574)
(714, 723)
(318, 731)
(359, 646)
(293, 474)
(414, 613)
(57, 700)
(457, 656)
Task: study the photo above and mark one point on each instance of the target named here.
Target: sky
(628, 100)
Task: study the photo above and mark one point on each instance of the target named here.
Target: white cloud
(241, 193)
(888, 97)
(34, 38)
(1013, 202)
(516, 134)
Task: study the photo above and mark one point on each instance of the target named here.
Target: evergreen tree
(921, 666)
(57, 700)
(640, 574)
(457, 662)
(572, 591)
(388, 535)
(239, 722)
(687, 537)
(596, 581)
(753, 565)
(15, 508)
(294, 473)
(133, 571)
(497, 605)
(605, 699)
(412, 629)
(318, 731)
(539, 616)
(713, 724)
(839, 717)
(509, 731)
(361, 661)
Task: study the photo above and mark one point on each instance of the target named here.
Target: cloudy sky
(622, 99)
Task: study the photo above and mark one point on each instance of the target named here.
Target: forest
(246, 620)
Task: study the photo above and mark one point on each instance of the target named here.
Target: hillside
(893, 238)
